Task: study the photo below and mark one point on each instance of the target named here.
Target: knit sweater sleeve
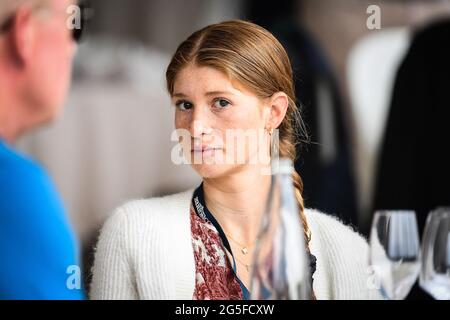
(342, 260)
(112, 274)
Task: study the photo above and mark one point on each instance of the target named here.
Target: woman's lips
(204, 149)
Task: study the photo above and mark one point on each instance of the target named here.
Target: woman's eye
(184, 105)
(221, 103)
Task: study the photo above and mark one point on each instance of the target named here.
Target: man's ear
(278, 105)
(21, 36)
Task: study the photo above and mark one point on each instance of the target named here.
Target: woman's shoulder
(332, 229)
(137, 218)
(155, 208)
(342, 258)
(138, 237)
(341, 242)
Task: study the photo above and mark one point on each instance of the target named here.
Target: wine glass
(395, 252)
(435, 274)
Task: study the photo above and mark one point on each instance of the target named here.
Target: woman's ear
(278, 105)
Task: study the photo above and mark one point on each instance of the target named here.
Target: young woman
(199, 244)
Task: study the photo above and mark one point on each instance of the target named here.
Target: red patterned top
(214, 276)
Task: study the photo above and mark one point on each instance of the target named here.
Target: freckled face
(211, 108)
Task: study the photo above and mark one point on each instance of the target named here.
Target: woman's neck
(238, 201)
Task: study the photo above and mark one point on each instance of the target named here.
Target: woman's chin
(212, 171)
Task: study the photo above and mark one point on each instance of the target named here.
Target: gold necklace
(247, 265)
(244, 249)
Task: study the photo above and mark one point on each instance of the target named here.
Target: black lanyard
(198, 201)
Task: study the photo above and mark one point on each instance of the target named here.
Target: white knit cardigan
(145, 252)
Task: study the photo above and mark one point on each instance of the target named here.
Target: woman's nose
(199, 124)
(197, 128)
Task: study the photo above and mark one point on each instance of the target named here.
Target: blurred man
(38, 252)
(414, 167)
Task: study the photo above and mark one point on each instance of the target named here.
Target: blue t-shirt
(38, 251)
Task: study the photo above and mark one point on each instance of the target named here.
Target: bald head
(8, 7)
(36, 52)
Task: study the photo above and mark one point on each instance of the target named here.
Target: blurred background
(112, 143)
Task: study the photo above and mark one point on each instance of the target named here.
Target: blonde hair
(251, 55)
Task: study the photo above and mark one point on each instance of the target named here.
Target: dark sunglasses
(77, 33)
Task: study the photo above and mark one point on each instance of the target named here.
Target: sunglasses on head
(77, 33)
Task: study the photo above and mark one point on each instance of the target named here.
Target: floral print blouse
(215, 278)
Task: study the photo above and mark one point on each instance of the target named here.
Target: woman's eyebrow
(179, 95)
(209, 93)
(214, 93)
